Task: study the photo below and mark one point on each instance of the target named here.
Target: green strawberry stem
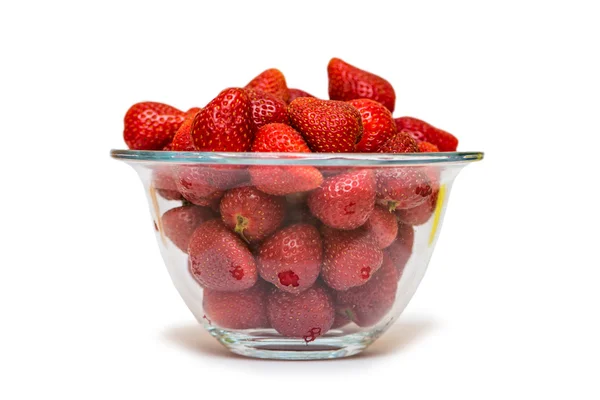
(242, 223)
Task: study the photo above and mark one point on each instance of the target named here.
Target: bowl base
(267, 343)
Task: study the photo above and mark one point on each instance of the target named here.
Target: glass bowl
(296, 255)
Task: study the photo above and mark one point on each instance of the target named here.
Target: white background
(510, 305)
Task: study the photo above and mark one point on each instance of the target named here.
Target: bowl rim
(317, 159)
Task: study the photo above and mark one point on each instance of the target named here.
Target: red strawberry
(219, 259)
(328, 126)
(180, 222)
(251, 213)
(164, 182)
(340, 321)
(203, 185)
(402, 187)
(350, 258)
(295, 93)
(426, 147)
(193, 111)
(151, 126)
(308, 315)
(183, 137)
(279, 138)
(225, 124)
(382, 225)
(271, 81)
(246, 309)
(346, 82)
(368, 304)
(344, 201)
(281, 180)
(378, 125)
(400, 250)
(266, 108)
(421, 130)
(291, 258)
(400, 143)
(420, 214)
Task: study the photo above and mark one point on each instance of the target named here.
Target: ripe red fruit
(150, 125)
(401, 142)
(426, 147)
(219, 259)
(378, 125)
(252, 214)
(246, 309)
(422, 131)
(204, 185)
(401, 249)
(279, 138)
(163, 181)
(420, 214)
(281, 180)
(295, 93)
(327, 126)
(271, 81)
(225, 124)
(368, 304)
(382, 225)
(340, 321)
(344, 201)
(182, 141)
(179, 223)
(266, 108)
(308, 315)
(291, 258)
(350, 258)
(402, 187)
(346, 82)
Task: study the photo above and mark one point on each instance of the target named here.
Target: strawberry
(204, 185)
(291, 258)
(295, 93)
(344, 201)
(402, 187)
(426, 147)
(420, 214)
(246, 309)
(367, 304)
(382, 225)
(308, 315)
(183, 137)
(328, 126)
(378, 125)
(346, 82)
(151, 126)
(422, 131)
(180, 222)
(193, 111)
(219, 259)
(279, 138)
(164, 182)
(350, 258)
(400, 250)
(271, 81)
(251, 213)
(225, 124)
(266, 108)
(401, 142)
(282, 180)
(340, 321)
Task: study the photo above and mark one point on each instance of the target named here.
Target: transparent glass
(291, 271)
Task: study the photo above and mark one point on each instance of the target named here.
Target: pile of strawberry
(300, 249)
